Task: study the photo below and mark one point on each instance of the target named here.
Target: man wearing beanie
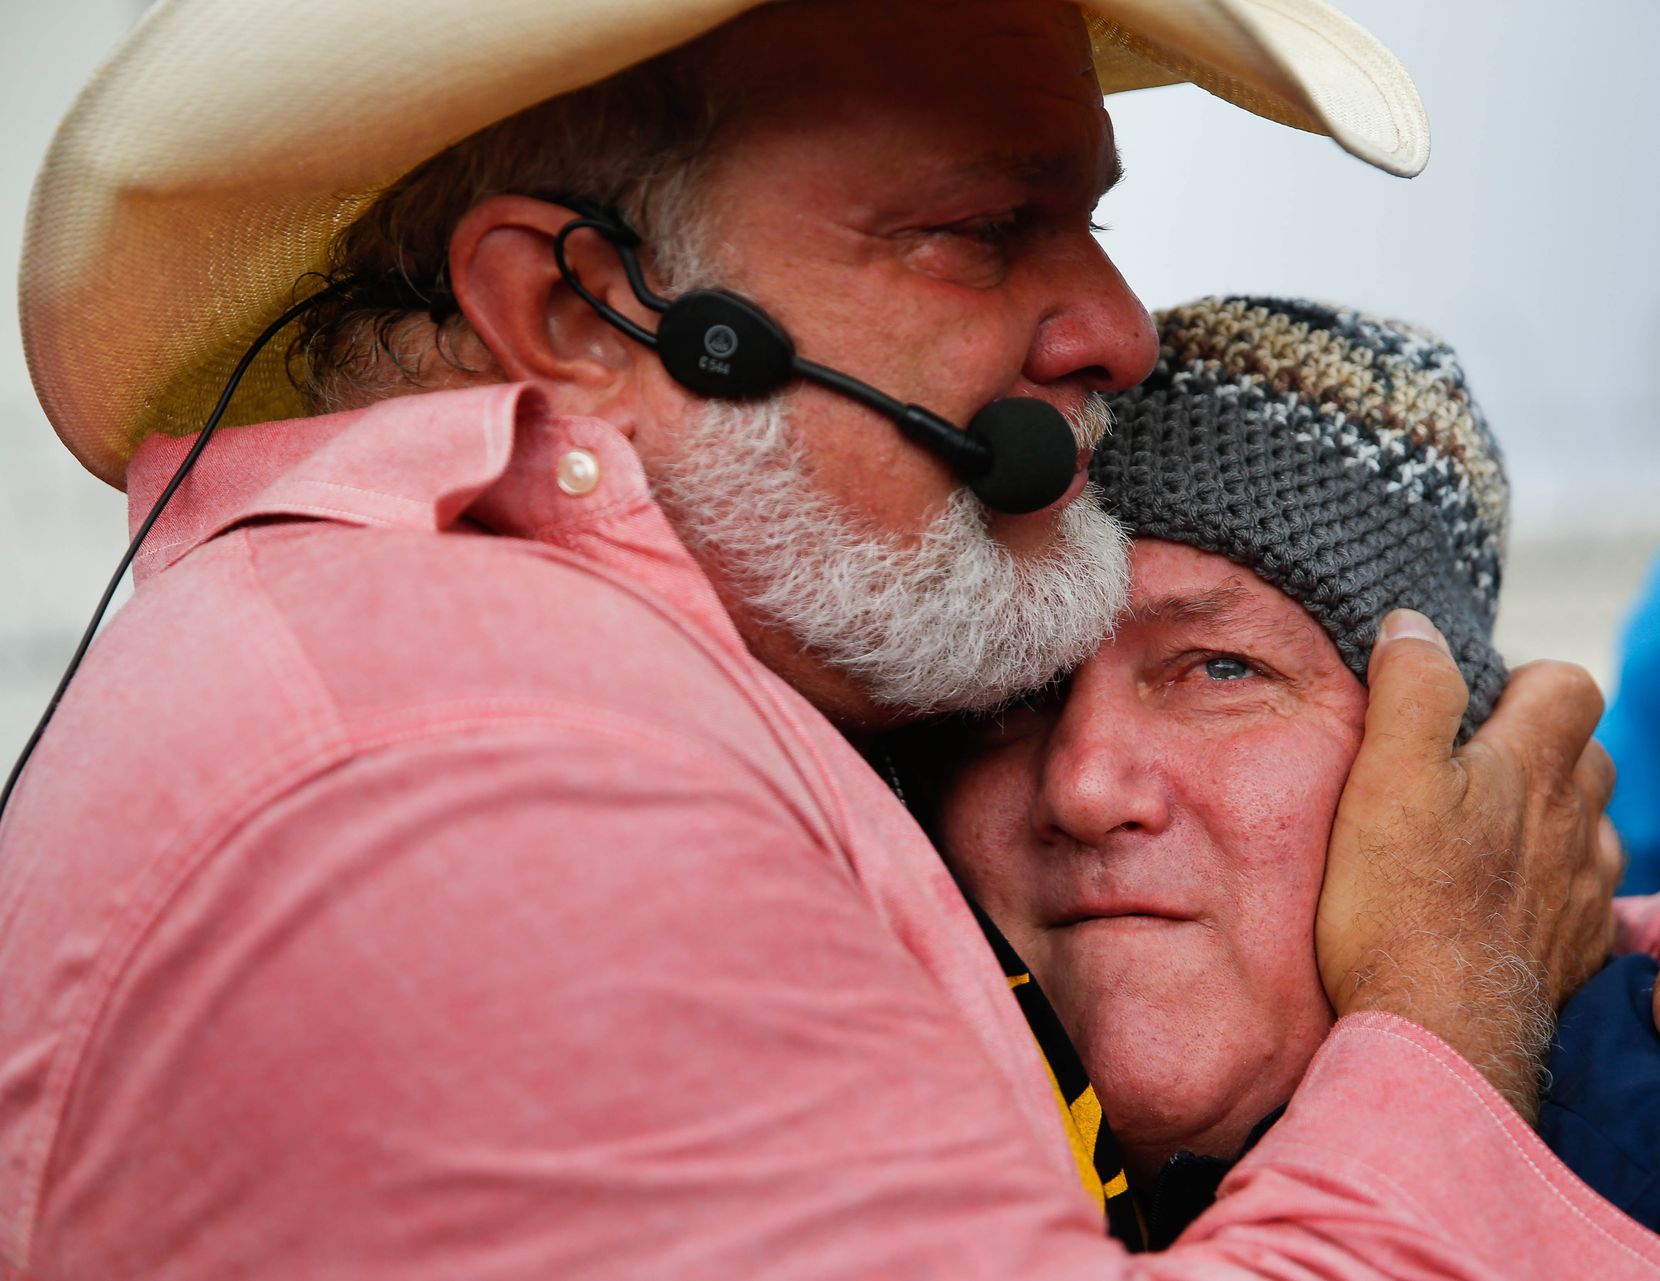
(458, 860)
(1148, 840)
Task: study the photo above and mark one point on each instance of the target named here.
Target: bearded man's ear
(532, 323)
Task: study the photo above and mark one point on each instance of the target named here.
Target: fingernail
(1402, 624)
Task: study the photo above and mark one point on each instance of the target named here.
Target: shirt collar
(411, 462)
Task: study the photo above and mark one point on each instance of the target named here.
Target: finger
(1547, 707)
(1416, 700)
(1608, 867)
(1594, 776)
(1610, 854)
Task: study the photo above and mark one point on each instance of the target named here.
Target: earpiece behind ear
(718, 344)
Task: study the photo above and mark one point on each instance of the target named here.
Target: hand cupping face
(1470, 890)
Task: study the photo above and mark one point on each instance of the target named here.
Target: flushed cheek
(1269, 797)
(896, 308)
(1271, 812)
(963, 346)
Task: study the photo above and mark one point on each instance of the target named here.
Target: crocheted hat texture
(1337, 455)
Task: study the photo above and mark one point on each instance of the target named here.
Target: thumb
(1416, 702)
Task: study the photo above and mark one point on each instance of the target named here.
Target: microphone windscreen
(1034, 457)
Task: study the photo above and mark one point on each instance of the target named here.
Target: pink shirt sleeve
(525, 1004)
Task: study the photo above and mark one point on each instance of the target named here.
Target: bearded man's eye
(989, 231)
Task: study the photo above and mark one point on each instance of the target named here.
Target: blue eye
(1227, 668)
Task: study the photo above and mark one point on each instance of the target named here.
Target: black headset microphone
(1017, 454)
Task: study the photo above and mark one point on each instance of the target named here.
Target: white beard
(951, 622)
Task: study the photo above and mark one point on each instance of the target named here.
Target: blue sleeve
(1631, 732)
(1601, 1114)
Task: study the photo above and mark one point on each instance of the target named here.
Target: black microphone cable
(271, 331)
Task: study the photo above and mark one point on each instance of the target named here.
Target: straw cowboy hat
(207, 165)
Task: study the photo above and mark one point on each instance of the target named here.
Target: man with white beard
(454, 863)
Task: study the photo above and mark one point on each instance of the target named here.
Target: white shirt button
(578, 472)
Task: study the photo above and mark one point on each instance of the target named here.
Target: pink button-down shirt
(422, 881)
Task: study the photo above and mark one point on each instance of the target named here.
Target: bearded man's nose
(1097, 333)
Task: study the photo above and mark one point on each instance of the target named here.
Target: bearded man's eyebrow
(1047, 169)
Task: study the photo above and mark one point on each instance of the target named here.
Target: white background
(1530, 242)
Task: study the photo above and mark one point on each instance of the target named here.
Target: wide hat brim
(206, 166)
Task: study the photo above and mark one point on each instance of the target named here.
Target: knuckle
(1564, 681)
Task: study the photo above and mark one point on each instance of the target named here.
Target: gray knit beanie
(1338, 456)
